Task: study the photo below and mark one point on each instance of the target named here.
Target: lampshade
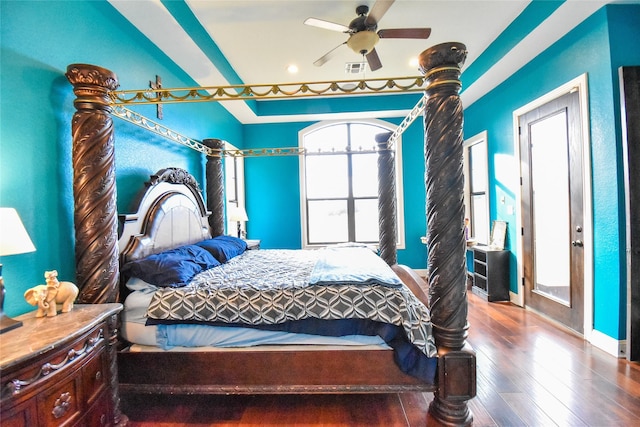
(363, 42)
(14, 239)
(13, 236)
(237, 213)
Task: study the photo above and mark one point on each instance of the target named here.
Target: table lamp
(238, 214)
(14, 240)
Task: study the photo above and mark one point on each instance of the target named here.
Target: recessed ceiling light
(293, 68)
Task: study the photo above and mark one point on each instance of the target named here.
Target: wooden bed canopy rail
(96, 217)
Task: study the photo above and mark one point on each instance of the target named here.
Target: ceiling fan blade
(405, 33)
(374, 60)
(327, 56)
(378, 10)
(315, 22)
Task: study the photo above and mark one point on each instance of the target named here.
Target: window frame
(385, 126)
(237, 199)
(480, 138)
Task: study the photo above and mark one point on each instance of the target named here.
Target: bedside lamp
(238, 214)
(13, 240)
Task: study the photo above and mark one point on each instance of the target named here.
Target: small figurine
(54, 292)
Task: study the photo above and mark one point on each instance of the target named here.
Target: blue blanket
(352, 266)
(272, 289)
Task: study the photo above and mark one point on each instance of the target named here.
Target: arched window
(339, 183)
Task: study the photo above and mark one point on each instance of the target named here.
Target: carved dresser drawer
(61, 371)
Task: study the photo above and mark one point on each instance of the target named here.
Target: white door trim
(581, 85)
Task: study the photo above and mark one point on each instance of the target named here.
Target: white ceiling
(260, 38)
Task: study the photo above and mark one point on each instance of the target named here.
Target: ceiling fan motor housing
(360, 23)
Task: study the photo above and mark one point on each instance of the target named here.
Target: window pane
(230, 178)
(479, 220)
(327, 139)
(328, 221)
(363, 136)
(327, 176)
(367, 228)
(478, 159)
(365, 175)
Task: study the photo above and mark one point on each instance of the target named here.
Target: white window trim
(231, 226)
(476, 139)
(400, 244)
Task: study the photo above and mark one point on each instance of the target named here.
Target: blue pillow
(172, 268)
(223, 248)
(196, 254)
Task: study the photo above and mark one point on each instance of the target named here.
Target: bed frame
(173, 197)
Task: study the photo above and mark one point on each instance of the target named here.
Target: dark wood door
(552, 210)
(630, 91)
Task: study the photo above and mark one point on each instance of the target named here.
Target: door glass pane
(550, 189)
(367, 228)
(327, 176)
(328, 221)
(365, 175)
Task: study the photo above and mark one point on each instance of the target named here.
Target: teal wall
(598, 46)
(273, 189)
(272, 186)
(38, 41)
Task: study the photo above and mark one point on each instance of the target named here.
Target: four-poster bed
(173, 213)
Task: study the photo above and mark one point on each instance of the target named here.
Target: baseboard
(516, 299)
(616, 348)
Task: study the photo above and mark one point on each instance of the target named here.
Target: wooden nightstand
(61, 370)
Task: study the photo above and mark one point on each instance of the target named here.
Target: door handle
(577, 243)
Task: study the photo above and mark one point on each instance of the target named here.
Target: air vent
(354, 67)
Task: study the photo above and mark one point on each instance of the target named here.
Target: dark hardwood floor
(529, 373)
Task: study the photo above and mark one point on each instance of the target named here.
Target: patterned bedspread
(269, 287)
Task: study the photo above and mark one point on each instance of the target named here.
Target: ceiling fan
(362, 33)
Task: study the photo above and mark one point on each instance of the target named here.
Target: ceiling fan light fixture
(363, 42)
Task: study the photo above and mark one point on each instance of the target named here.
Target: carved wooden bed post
(387, 199)
(445, 234)
(215, 187)
(94, 193)
(94, 184)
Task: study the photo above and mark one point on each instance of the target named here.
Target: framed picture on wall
(498, 234)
